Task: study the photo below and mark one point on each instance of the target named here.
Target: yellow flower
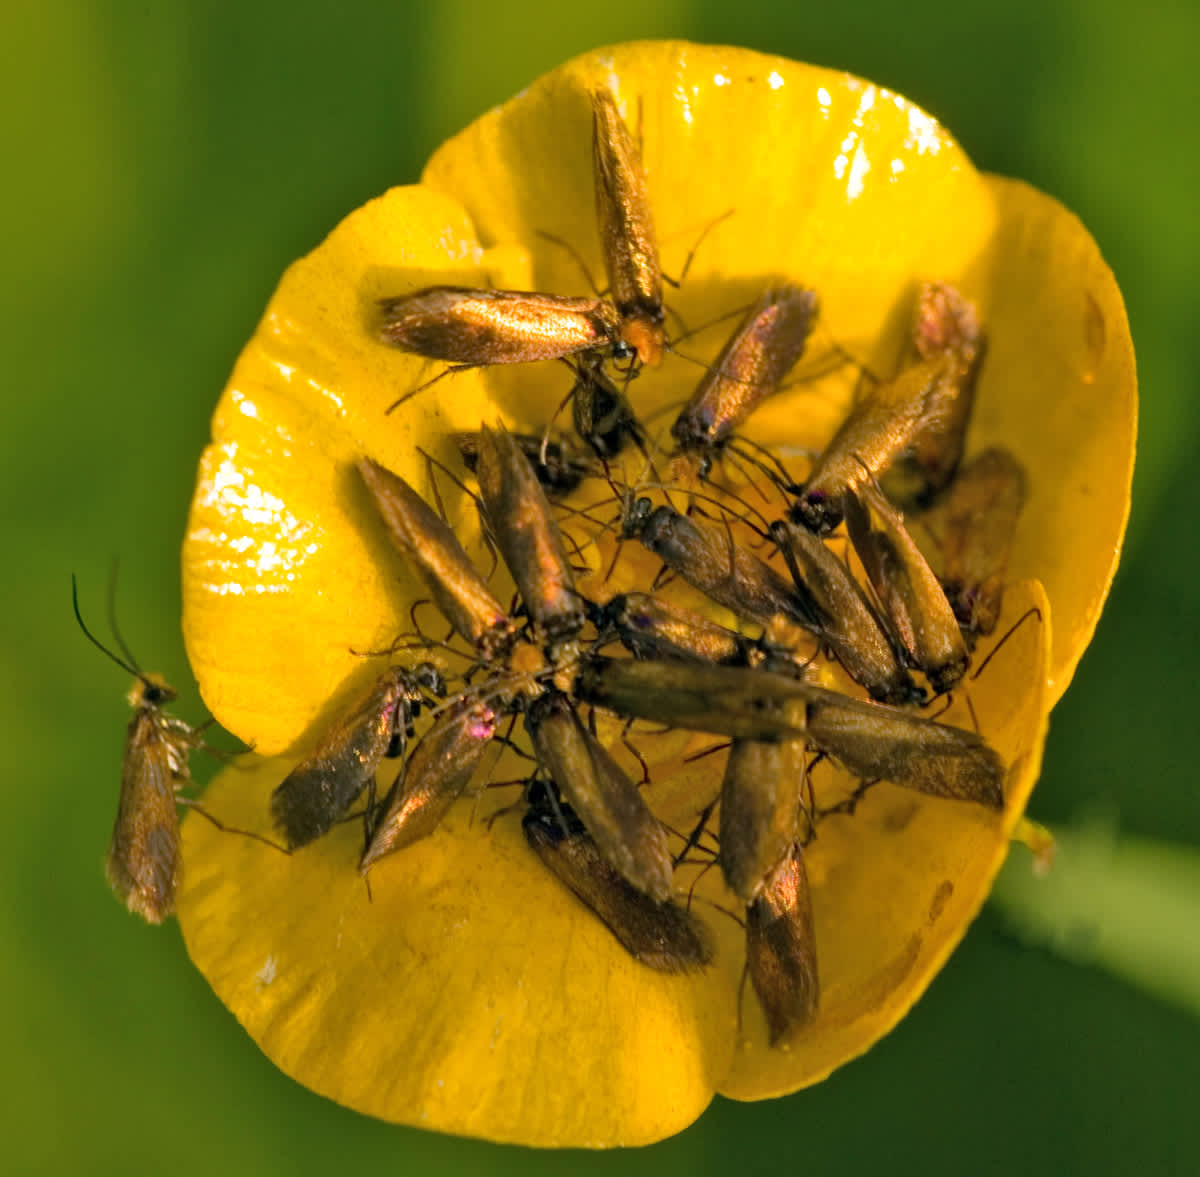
(471, 993)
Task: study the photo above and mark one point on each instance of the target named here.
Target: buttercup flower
(470, 992)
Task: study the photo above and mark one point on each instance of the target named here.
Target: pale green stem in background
(1126, 904)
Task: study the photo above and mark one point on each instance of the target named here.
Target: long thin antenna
(91, 637)
(1032, 611)
(122, 644)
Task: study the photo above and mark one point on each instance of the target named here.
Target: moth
(750, 368)
(781, 949)
(627, 834)
(433, 777)
(144, 861)
(425, 540)
(320, 790)
(527, 535)
(661, 935)
(873, 741)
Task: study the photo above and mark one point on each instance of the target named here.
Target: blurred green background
(165, 162)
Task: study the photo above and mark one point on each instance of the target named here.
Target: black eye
(623, 351)
(430, 677)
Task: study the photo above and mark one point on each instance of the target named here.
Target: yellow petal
(869, 196)
(469, 993)
(1059, 388)
(281, 541)
(895, 886)
(843, 186)
(474, 995)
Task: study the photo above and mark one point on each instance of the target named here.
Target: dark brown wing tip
(783, 1025)
(691, 950)
(986, 778)
(297, 826)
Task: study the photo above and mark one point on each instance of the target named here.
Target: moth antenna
(737, 919)
(759, 458)
(709, 851)
(743, 464)
(693, 839)
(727, 514)
(130, 667)
(505, 742)
(769, 458)
(738, 310)
(971, 709)
(576, 371)
(576, 257)
(505, 810)
(996, 648)
(674, 314)
(826, 365)
(122, 644)
(431, 464)
(692, 896)
(450, 370)
(691, 255)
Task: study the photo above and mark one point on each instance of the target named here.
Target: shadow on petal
(471, 994)
(474, 994)
(895, 886)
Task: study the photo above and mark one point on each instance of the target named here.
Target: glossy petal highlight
(475, 995)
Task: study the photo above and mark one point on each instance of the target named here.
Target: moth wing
(143, 863)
